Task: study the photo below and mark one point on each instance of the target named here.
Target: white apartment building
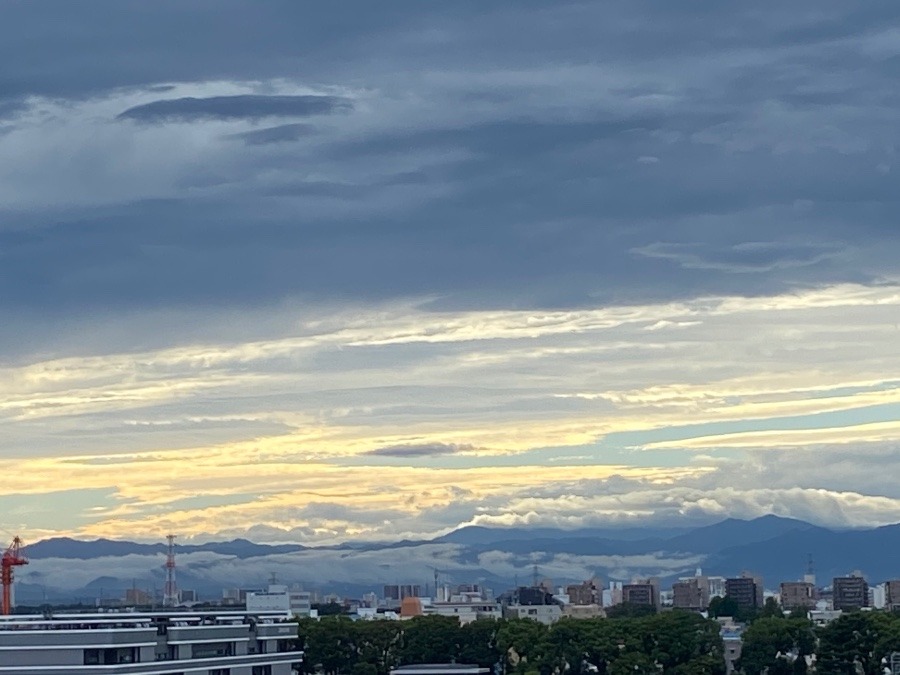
(279, 599)
(156, 643)
(545, 614)
(466, 611)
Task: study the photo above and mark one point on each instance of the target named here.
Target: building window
(262, 670)
(110, 657)
(286, 645)
(212, 650)
(220, 671)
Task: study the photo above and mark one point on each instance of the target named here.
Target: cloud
(644, 252)
(746, 257)
(283, 133)
(423, 450)
(244, 106)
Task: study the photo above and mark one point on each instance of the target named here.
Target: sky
(318, 272)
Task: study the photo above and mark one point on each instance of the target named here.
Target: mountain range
(779, 549)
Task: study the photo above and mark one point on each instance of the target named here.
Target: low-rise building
(465, 611)
(440, 669)
(732, 639)
(822, 617)
(545, 614)
(278, 598)
(583, 611)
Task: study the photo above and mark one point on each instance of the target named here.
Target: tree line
(670, 643)
(859, 643)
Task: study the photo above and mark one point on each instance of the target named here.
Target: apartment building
(642, 593)
(690, 594)
(746, 590)
(849, 593)
(798, 595)
(157, 643)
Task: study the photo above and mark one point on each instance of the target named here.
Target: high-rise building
(849, 593)
(798, 595)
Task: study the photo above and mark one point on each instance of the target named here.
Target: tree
(522, 644)
(772, 645)
(847, 645)
(478, 643)
(567, 645)
(677, 641)
(628, 610)
(330, 643)
(378, 644)
(771, 608)
(719, 606)
(430, 639)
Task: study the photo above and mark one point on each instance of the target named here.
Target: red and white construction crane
(12, 557)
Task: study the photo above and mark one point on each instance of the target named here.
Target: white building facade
(167, 643)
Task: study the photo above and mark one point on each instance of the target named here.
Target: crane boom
(12, 558)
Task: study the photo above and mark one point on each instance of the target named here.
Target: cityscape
(475, 337)
(267, 630)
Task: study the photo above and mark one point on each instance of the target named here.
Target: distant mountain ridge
(65, 547)
(776, 548)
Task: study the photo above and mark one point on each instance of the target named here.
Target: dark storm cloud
(421, 450)
(520, 154)
(248, 106)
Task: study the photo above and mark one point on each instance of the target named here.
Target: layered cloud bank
(404, 421)
(315, 275)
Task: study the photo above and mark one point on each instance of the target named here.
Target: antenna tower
(170, 595)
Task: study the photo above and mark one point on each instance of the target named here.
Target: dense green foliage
(668, 643)
(671, 643)
(854, 644)
(777, 646)
(857, 643)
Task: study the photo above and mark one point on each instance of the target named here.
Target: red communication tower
(12, 557)
(170, 594)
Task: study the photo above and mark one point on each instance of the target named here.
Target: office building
(155, 643)
(643, 593)
(849, 593)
